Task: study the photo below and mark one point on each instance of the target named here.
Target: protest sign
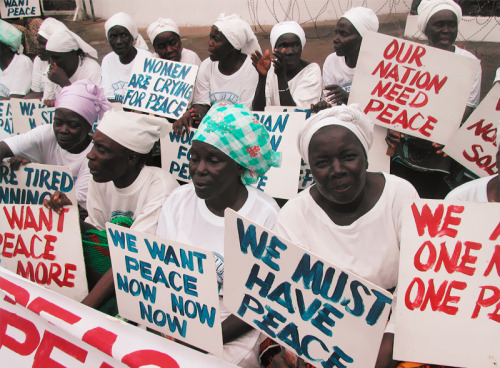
(20, 8)
(407, 86)
(474, 145)
(6, 118)
(176, 152)
(44, 247)
(39, 328)
(449, 284)
(29, 114)
(33, 183)
(160, 87)
(326, 315)
(167, 286)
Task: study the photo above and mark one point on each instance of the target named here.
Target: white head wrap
(66, 41)
(49, 26)
(124, 20)
(287, 27)
(350, 117)
(363, 19)
(238, 33)
(428, 8)
(137, 132)
(161, 25)
(11, 36)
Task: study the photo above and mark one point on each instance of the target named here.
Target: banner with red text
(448, 309)
(40, 328)
(412, 88)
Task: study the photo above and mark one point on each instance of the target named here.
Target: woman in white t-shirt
(194, 213)
(227, 75)
(287, 80)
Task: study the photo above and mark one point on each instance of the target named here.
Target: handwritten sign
(20, 8)
(160, 87)
(406, 86)
(44, 247)
(167, 286)
(449, 276)
(28, 114)
(6, 124)
(324, 314)
(474, 145)
(39, 328)
(176, 152)
(33, 183)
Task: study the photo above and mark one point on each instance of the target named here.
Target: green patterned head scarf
(11, 36)
(233, 130)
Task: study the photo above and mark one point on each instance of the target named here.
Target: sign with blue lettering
(176, 152)
(167, 286)
(19, 8)
(6, 125)
(33, 183)
(326, 315)
(160, 87)
(28, 114)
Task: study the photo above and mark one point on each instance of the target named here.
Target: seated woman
(68, 63)
(127, 43)
(416, 160)
(41, 62)
(15, 68)
(350, 217)
(68, 140)
(166, 39)
(339, 67)
(227, 75)
(290, 80)
(222, 166)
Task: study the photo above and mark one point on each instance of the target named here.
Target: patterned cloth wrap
(233, 130)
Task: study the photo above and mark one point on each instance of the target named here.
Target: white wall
(256, 12)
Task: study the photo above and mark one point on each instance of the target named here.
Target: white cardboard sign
(176, 152)
(6, 124)
(449, 284)
(324, 314)
(20, 8)
(407, 86)
(167, 286)
(29, 114)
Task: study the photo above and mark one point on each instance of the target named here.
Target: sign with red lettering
(40, 328)
(44, 247)
(448, 309)
(412, 88)
(328, 316)
(474, 145)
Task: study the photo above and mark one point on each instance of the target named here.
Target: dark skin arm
(58, 75)
(262, 63)
(15, 162)
(33, 94)
(334, 95)
(286, 98)
(384, 359)
(101, 292)
(191, 118)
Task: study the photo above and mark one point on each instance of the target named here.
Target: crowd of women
(350, 217)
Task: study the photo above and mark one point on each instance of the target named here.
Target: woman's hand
(321, 105)
(439, 149)
(184, 122)
(49, 103)
(16, 162)
(58, 75)
(57, 201)
(392, 139)
(335, 95)
(262, 63)
(279, 65)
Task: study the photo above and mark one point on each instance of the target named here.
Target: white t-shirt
(476, 87)
(88, 69)
(141, 201)
(187, 57)
(473, 191)
(115, 75)
(40, 145)
(16, 78)
(336, 71)
(238, 88)
(40, 69)
(186, 218)
(305, 87)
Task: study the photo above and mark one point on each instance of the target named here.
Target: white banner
(30, 113)
(19, 8)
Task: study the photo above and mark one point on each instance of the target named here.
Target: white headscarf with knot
(124, 20)
(161, 25)
(11, 36)
(350, 117)
(428, 8)
(66, 41)
(287, 27)
(49, 26)
(363, 19)
(238, 33)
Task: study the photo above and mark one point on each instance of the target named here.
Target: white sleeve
(82, 184)
(106, 79)
(24, 69)
(202, 85)
(476, 89)
(37, 75)
(95, 213)
(31, 144)
(308, 90)
(92, 71)
(49, 90)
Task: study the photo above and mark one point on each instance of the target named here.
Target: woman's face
(338, 164)
(442, 29)
(212, 171)
(120, 40)
(293, 50)
(168, 46)
(218, 45)
(67, 61)
(347, 39)
(71, 130)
